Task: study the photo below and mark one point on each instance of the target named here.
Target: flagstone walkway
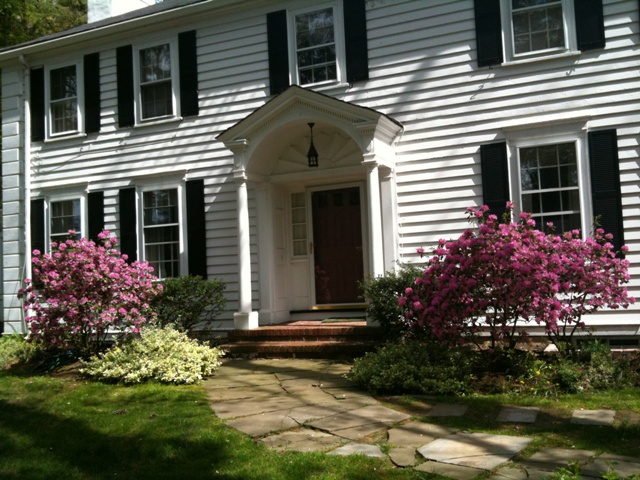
(308, 405)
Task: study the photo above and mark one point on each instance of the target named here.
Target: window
(299, 224)
(155, 80)
(510, 30)
(63, 95)
(315, 43)
(537, 25)
(325, 45)
(550, 186)
(64, 215)
(161, 231)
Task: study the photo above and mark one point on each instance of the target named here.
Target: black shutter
(188, 58)
(37, 104)
(196, 228)
(589, 24)
(124, 62)
(92, 93)
(495, 177)
(605, 183)
(128, 223)
(355, 28)
(37, 225)
(95, 208)
(488, 32)
(278, 51)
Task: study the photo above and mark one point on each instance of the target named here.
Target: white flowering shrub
(162, 354)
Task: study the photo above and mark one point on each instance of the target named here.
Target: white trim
(175, 85)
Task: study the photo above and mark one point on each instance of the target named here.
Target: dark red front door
(337, 239)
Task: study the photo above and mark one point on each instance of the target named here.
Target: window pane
(155, 63)
(64, 116)
(537, 25)
(63, 100)
(549, 178)
(157, 100)
(299, 223)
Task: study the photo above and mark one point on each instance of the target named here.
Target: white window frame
(175, 79)
(48, 201)
(552, 135)
(339, 39)
(570, 39)
(79, 101)
(183, 268)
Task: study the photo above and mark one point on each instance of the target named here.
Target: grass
(52, 428)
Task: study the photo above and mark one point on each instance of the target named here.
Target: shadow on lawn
(35, 444)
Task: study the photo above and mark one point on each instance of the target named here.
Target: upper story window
(325, 45)
(316, 51)
(63, 94)
(512, 30)
(537, 25)
(156, 95)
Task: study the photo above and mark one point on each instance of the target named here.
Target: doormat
(340, 320)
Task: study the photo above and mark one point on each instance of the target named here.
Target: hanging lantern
(312, 155)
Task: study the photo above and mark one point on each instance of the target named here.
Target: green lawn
(56, 428)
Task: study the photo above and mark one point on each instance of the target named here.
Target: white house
(185, 129)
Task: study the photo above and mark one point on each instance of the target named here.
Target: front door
(337, 245)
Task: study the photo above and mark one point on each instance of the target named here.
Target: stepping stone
(223, 394)
(447, 410)
(624, 466)
(550, 459)
(594, 417)
(512, 473)
(236, 381)
(303, 440)
(475, 450)
(359, 449)
(457, 472)
(403, 456)
(515, 414)
(253, 406)
(375, 414)
(259, 425)
(352, 396)
(314, 412)
(416, 434)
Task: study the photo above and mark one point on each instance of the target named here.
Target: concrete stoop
(308, 405)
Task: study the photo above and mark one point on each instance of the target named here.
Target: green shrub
(187, 301)
(14, 349)
(382, 293)
(413, 366)
(160, 353)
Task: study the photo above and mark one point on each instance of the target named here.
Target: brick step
(299, 349)
(310, 339)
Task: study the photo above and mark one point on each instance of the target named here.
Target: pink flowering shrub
(505, 275)
(83, 291)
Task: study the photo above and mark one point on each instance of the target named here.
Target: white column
(375, 216)
(245, 318)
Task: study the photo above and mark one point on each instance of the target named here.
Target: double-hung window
(539, 27)
(156, 78)
(161, 231)
(63, 94)
(65, 215)
(550, 185)
(316, 49)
